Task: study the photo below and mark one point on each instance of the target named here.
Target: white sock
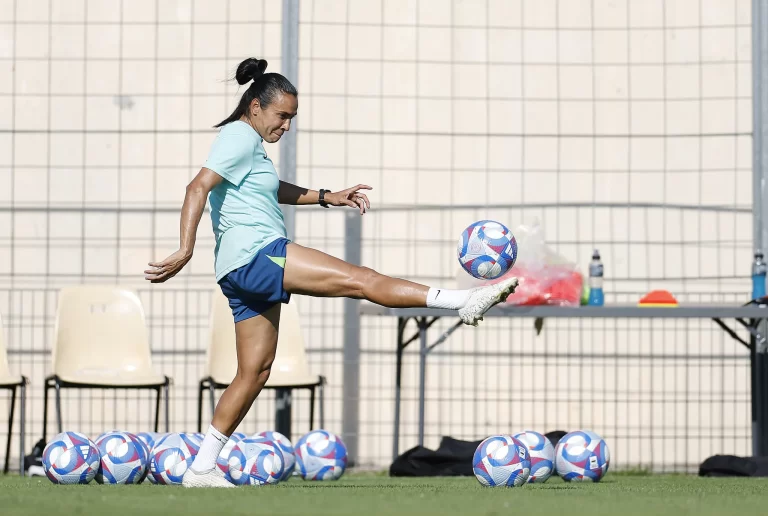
(209, 451)
(450, 299)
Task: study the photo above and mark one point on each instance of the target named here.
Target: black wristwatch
(321, 198)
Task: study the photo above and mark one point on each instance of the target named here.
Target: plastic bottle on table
(758, 276)
(596, 296)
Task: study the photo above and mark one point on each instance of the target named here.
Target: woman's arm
(292, 194)
(352, 197)
(191, 212)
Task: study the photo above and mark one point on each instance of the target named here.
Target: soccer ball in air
(321, 455)
(542, 455)
(582, 456)
(255, 461)
(71, 458)
(124, 459)
(171, 456)
(501, 460)
(487, 249)
(286, 447)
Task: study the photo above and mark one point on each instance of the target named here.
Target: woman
(258, 268)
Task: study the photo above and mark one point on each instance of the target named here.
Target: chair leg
(10, 431)
(212, 393)
(322, 402)
(311, 408)
(45, 409)
(200, 389)
(22, 423)
(58, 405)
(167, 406)
(157, 409)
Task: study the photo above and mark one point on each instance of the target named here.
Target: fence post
(290, 69)
(759, 359)
(350, 416)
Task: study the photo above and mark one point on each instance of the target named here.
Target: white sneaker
(210, 478)
(483, 298)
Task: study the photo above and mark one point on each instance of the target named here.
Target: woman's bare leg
(256, 347)
(256, 341)
(314, 273)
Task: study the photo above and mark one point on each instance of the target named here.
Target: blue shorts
(258, 286)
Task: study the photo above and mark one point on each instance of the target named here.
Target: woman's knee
(363, 280)
(255, 372)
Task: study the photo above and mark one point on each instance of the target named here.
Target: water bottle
(758, 276)
(596, 297)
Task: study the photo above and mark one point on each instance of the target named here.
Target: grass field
(375, 495)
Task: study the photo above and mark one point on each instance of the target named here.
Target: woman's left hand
(351, 197)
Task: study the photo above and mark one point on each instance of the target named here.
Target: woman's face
(275, 119)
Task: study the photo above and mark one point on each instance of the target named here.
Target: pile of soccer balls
(529, 457)
(125, 458)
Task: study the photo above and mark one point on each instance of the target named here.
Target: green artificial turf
(361, 494)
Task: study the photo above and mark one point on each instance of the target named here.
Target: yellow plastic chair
(290, 370)
(13, 382)
(100, 342)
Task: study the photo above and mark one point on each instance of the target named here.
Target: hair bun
(250, 70)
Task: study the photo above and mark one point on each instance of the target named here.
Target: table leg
(401, 322)
(423, 325)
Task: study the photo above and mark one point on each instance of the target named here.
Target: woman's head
(269, 103)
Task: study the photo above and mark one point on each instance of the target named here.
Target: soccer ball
(321, 455)
(542, 455)
(286, 447)
(582, 456)
(171, 456)
(71, 458)
(255, 461)
(149, 438)
(487, 249)
(223, 458)
(501, 460)
(124, 459)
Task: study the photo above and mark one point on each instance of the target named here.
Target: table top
(684, 311)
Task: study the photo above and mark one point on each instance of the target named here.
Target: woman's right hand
(168, 268)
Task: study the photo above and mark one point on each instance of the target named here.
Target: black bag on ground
(733, 466)
(452, 458)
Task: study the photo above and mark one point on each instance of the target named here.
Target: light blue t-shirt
(244, 209)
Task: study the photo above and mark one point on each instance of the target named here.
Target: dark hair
(265, 87)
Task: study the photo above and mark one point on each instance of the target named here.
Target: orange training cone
(658, 298)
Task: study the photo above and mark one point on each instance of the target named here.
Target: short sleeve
(231, 157)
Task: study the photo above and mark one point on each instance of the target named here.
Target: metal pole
(759, 204)
(350, 391)
(290, 60)
(290, 69)
(401, 322)
(423, 325)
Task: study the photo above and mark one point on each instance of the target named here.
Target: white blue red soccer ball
(124, 459)
(149, 438)
(487, 249)
(582, 456)
(171, 456)
(71, 458)
(222, 461)
(286, 447)
(501, 461)
(320, 455)
(255, 461)
(542, 455)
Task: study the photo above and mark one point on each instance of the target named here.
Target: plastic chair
(100, 342)
(290, 370)
(12, 382)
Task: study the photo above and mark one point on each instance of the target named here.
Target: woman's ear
(255, 107)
